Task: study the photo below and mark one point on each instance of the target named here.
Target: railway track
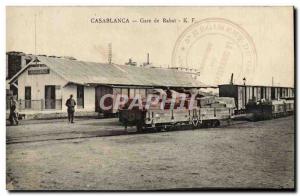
(73, 135)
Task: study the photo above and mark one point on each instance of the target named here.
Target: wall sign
(36, 69)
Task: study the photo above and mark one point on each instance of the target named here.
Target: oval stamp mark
(216, 47)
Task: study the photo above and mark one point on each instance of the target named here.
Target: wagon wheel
(216, 123)
(125, 125)
(195, 123)
(139, 126)
(158, 128)
(168, 128)
(229, 122)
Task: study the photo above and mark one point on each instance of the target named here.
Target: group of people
(14, 115)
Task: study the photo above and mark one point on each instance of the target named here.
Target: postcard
(148, 98)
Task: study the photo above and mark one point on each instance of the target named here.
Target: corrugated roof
(252, 85)
(82, 72)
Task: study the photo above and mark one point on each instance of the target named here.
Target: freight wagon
(205, 112)
(243, 94)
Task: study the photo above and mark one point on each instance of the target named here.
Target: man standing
(71, 108)
(13, 114)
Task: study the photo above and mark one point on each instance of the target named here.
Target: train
(243, 94)
(200, 111)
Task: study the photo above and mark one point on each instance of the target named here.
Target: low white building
(47, 82)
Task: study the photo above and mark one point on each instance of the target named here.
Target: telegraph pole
(35, 37)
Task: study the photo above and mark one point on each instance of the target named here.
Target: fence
(37, 105)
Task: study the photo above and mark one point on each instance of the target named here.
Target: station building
(46, 83)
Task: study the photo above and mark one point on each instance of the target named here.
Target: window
(117, 91)
(125, 91)
(137, 92)
(27, 93)
(143, 93)
(80, 96)
(131, 93)
(258, 93)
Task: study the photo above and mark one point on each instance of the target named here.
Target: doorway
(50, 97)
(80, 96)
(27, 97)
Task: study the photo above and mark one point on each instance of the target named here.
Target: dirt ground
(99, 155)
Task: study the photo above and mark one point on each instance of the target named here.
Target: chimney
(231, 79)
(23, 61)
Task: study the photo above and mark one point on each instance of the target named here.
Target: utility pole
(35, 34)
(35, 37)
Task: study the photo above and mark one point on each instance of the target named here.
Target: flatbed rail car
(264, 110)
(166, 119)
(209, 112)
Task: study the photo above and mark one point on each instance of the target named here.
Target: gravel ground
(61, 156)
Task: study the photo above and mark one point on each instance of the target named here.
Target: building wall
(130, 92)
(37, 82)
(89, 97)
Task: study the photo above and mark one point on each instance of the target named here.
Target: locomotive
(171, 111)
(264, 110)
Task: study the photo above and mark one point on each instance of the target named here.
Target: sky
(69, 31)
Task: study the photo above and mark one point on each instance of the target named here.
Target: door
(273, 93)
(248, 94)
(100, 91)
(27, 97)
(50, 97)
(241, 97)
(258, 93)
(80, 96)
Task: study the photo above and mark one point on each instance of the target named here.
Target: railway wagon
(264, 110)
(206, 112)
(115, 90)
(243, 94)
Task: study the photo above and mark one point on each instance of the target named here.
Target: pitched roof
(81, 72)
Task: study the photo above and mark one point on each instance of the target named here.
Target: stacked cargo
(213, 101)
